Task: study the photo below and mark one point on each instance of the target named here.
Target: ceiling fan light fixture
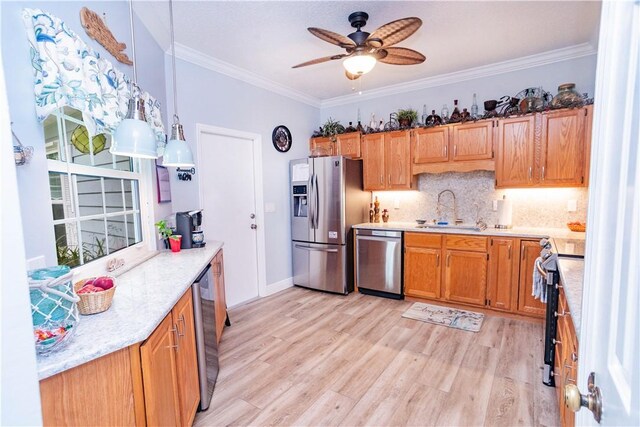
(359, 64)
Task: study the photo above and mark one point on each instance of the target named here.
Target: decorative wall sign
(163, 182)
(96, 28)
(281, 138)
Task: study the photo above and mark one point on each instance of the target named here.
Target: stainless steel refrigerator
(326, 200)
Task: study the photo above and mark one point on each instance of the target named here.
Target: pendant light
(177, 152)
(134, 137)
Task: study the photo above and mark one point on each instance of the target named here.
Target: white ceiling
(268, 37)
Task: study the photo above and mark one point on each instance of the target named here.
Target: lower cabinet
(566, 361)
(465, 277)
(422, 269)
(219, 293)
(527, 304)
(503, 273)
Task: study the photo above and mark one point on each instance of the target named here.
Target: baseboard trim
(279, 286)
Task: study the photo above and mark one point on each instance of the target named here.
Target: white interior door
(609, 338)
(228, 197)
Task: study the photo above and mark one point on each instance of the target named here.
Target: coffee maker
(189, 226)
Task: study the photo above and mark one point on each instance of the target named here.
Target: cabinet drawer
(466, 243)
(423, 240)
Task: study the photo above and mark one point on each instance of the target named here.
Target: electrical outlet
(572, 205)
(396, 204)
(495, 206)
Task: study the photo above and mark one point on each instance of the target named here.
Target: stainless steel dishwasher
(379, 262)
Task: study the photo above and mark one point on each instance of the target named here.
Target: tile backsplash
(532, 207)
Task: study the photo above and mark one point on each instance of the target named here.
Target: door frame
(256, 139)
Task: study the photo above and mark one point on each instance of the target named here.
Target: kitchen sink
(469, 227)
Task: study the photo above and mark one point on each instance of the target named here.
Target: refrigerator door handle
(311, 220)
(310, 248)
(316, 213)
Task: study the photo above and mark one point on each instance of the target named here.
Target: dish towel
(539, 289)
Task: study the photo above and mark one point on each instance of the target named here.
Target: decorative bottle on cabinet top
(474, 107)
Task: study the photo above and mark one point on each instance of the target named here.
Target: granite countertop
(144, 296)
(528, 232)
(572, 276)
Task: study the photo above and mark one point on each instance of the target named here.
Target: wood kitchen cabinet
(503, 274)
(220, 299)
(566, 360)
(159, 374)
(516, 152)
(387, 161)
(322, 146)
(472, 141)
(527, 304)
(422, 268)
(465, 277)
(186, 358)
(431, 145)
(549, 149)
(348, 145)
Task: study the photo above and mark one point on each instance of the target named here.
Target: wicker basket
(579, 227)
(95, 302)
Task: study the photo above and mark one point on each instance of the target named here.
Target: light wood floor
(303, 357)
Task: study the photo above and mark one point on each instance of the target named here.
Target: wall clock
(281, 138)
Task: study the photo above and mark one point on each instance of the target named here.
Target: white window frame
(142, 173)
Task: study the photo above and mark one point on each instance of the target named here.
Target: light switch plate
(269, 207)
(572, 205)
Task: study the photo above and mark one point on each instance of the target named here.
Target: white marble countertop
(572, 277)
(144, 296)
(527, 232)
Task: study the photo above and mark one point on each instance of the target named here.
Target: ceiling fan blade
(331, 37)
(401, 56)
(394, 32)
(320, 60)
(351, 76)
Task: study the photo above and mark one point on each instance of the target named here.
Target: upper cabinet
(549, 149)
(387, 161)
(346, 144)
(473, 141)
(431, 145)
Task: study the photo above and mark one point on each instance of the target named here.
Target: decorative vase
(385, 215)
(175, 242)
(567, 96)
(405, 123)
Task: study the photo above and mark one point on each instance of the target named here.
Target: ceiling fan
(365, 49)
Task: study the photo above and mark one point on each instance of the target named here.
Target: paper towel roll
(505, 213)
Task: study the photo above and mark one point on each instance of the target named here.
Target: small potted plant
(331, 128)
(175, 240)
(164, 231)
(407, 117)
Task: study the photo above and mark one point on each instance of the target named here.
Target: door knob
(254, 226)
(252, 216)
(574, 400)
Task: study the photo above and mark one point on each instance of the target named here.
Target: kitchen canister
(54, 310)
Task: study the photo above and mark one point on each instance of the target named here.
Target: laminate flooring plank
(328, 410)
(518, 351)
(491, 332)
(470, 392)
(420, 406)
(511, 404)
(236, 413)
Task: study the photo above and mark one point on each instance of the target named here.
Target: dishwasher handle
(379, 239)
(379, 233)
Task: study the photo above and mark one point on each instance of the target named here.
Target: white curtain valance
(69, 73)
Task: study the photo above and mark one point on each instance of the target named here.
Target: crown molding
(544, 58)
(198, 58)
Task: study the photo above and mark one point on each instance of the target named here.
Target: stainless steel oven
(379, 262)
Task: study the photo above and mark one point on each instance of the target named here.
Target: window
(95, 196)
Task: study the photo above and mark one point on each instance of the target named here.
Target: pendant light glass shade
(134, 137)
(359, 64)
(177, 152)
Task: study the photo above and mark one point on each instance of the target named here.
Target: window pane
(53, 146)
(116, 227)
(93, 239)
(129, 186)
(89, 190)
(113, 195)
(67, 244)
(62, 204)
(133, 224)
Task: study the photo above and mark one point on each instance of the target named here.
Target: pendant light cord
(133, 43)
(173, 63)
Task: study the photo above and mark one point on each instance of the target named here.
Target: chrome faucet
(453, 208)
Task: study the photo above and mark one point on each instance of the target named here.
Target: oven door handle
(540, 269)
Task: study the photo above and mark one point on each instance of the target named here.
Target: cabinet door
(527, 304)
(431, 145)
(397, 161)
(422, 272)
(349, 145)
(373, 161)
(158, 355)
(563, 146)
(220, 296)
(473, 141)
(322, 146)
(503, 283)
(466, 277)
(186, 358)
(515, 154)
